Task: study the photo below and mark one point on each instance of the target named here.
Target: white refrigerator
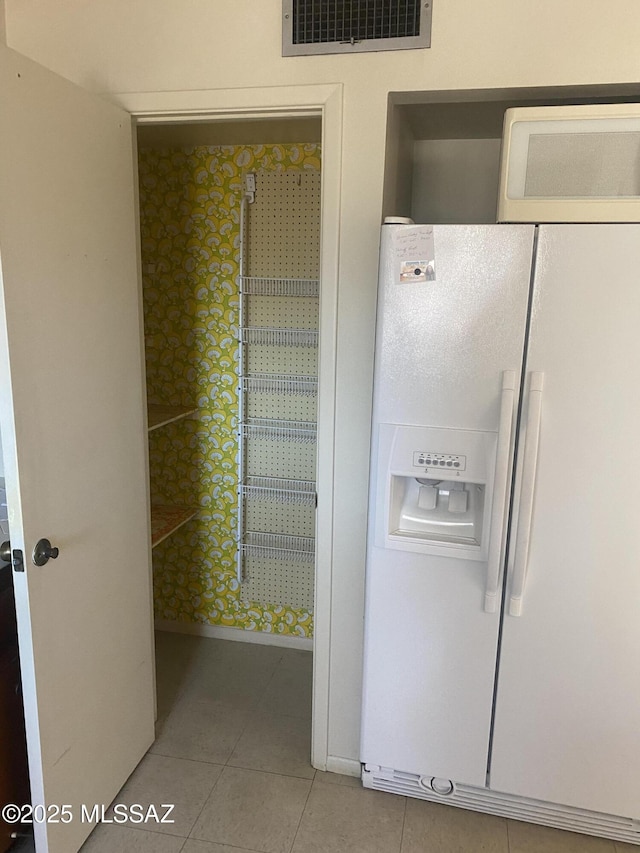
(502, 622)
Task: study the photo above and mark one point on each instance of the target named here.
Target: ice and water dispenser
(434, 490)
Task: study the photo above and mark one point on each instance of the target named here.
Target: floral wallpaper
(190, 210)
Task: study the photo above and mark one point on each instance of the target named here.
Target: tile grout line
(273, 773)
(135, 828)
(238, 739)
(404, 821)
(194, 760)
(506, 826)
(254, 708)
(304, 808)
(210, 794)
(181, 758)
(255, 705)
(273, 674)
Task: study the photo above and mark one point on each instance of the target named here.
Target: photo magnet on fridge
(415, 271)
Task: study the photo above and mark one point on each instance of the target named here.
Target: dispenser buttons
(425, 459)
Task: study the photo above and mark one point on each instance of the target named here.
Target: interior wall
(455, 180)
(157, 45)
(189, 209)
(398, 172)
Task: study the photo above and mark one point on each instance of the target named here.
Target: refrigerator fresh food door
(451, 324)
(568, 704)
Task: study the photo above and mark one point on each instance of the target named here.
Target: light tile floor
(232, 753)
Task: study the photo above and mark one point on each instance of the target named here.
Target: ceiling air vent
(345, 26)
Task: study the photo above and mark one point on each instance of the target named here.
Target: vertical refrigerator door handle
(500, 482)
(525, 511)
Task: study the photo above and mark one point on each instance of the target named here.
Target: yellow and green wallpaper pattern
(190, 226)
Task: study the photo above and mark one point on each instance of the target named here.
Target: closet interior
(230, 244)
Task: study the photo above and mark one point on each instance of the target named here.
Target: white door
(442, 349)
(72, 422)
(568, 703)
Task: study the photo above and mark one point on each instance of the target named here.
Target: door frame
(290, 102)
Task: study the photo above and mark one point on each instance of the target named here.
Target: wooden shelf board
(160, 415)
(165, 520)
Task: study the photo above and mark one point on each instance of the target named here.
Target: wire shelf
(279, 318)
(275, 505)
(266, 336)
(276, 488)
(277, 545)
(278, 430)
(280, 383)
(255, 286)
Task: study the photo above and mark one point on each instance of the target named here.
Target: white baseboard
(344, 766)
(219, 632)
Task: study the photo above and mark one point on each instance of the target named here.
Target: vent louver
(345, 26)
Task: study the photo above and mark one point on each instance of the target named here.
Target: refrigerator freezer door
(568, 703)
(443, 345)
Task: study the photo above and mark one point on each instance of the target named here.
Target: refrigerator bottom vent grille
(506, 805)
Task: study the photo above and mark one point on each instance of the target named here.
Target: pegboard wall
(272, 576)
(279, 338)
(282, 312)
(281, 506)
(285, 452)
(293, 360)
(284, 226)
(275, 396)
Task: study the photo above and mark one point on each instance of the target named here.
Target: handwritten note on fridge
(415, 252)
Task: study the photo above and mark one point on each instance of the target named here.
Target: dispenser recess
(435, 488)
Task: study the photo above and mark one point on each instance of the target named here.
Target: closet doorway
(86, 669)
(230, 221)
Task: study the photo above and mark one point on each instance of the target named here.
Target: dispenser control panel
(424, 459)
(434, 489)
